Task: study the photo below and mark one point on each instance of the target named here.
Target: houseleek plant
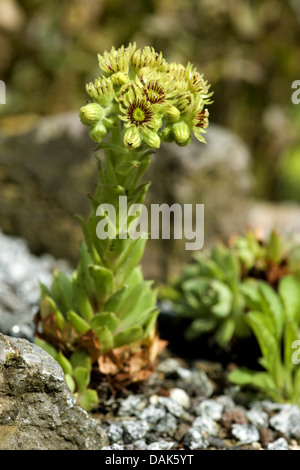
(275, 321)
(211, 292)
(101, 321)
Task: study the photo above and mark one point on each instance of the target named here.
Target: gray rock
(196, 381)
(210, 408)
(134, 430)
(245, 433)
(131, 406)
(205, 424)
(113, 447)
(181, 397)
(152, 414)
(166, 426)
(161, 445)
(38, 411)
(20, 277)
(226, 401)
(279, 444)
(287, 421)
(173, 407)
(194, 439)
(258, 417)
(168, 367)
(140, 444)
(115, 432)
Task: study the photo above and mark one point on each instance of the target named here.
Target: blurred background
(248, 50)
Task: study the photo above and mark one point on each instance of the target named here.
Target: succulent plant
(211, 291)
(101, 321)
(275, 321)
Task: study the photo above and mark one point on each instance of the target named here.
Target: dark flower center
(139, 112)
(202, 119)
(154, 92)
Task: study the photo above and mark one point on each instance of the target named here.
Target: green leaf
(89, 231)
(130, 258)
(115, 301)
(64, 363)
(82, 378)
(47, 306)
(273, 247)
(128, 336)
(81, 299)
(198, 327)
(295, 397)
(225, 332)
(79, 324)
(260, 380)
(291, 334)
(105, 338)
(46, 347)
(150, 323)
(62, 291)
(83, 273)
(81, 358)
(270, 347)
(223, 307)
(250, 290)
(88, 399)
(289, 291)
(103, 280)
(105, 318)
(70, 382)
(273, 308)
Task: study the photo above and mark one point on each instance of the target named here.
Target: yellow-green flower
(148, 98)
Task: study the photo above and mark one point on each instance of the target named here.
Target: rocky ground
(189, 405)
(186, 404)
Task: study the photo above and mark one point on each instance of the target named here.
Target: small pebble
(194, 439)
(245, 433)
(152, 414)
(134, 430)
(115, 433)
(287, 421)
(131, 406)
(258, 417)
(205, 424)
(279, 444)
(166, 426)
(181, 397)
(113, 447)
(172, 406)
(210, 408)
(161, 445)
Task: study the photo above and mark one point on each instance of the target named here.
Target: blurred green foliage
(248, 49)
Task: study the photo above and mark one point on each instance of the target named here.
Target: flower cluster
(154, 100)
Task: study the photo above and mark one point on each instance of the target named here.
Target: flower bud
(131, 137)
(91, 113)
(167, 134)
(151, 139)
(119, 79)
(98, 132)
(181, 132)
(173, 113)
